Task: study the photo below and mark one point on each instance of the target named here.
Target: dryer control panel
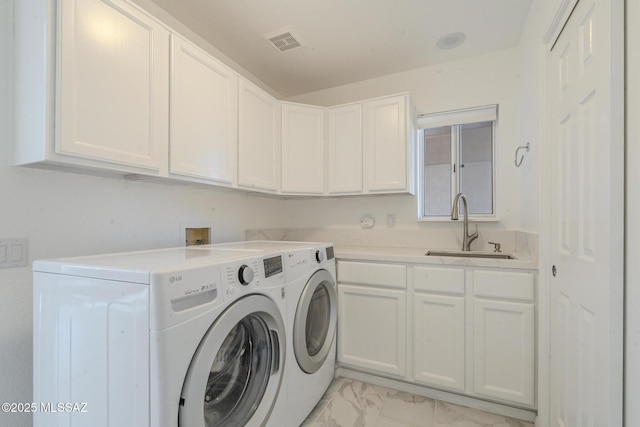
(299, 263)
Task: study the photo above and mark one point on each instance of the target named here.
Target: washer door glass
(239, 374)
(235, 374)
(318, 319)
(315, 322)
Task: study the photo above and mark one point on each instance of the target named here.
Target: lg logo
(173, 279)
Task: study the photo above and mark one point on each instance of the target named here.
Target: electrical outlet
(391, 220)
(13, 253)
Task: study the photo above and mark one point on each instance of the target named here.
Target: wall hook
(522, 147)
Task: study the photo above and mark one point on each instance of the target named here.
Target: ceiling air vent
(284, 41)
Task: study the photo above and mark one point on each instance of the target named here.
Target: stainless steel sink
(470, 254)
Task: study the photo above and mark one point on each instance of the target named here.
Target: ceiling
(344, 41)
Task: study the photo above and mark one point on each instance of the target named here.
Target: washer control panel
(244, 276)
(176, 294)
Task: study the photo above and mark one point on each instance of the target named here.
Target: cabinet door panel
(373, 274)
(302, 149)
(439, 341)
(372, 329)
(112, 84)
(438, 279)
(386, 143)
(503, 284)
(258, 138)
(345, 149)
(504, 351)
(203, 114)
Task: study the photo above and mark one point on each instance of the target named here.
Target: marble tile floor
(352, 403)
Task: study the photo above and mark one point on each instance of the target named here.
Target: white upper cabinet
(112, 86)
(389, 132)
(106, 98)
(345, 149)
(203, 115)
(102, 86)
(303, 149)
(371, 146)
(258, 138)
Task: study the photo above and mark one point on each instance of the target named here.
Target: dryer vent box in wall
(197, 236)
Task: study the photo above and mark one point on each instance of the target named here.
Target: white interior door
(585, 99)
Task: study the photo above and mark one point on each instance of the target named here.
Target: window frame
(487, 113)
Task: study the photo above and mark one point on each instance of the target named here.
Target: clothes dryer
(311, 325)
(192, 337)
(311, 320)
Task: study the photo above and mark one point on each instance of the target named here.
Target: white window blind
(486, 113)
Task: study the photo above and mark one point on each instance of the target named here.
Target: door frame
(632, 211)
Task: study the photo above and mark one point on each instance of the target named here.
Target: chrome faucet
(466, 237)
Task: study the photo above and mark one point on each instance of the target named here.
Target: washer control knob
(319, 256)
(245, 274)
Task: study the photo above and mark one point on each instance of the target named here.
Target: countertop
(417, 256)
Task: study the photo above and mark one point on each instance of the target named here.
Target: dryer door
(315, 322)
(235, 375)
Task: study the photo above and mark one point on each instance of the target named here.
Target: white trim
(632, 212)
(485, 113)
(559, 20)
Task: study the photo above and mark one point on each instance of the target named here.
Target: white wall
(531, 97)
(64, 214)
(488, 79)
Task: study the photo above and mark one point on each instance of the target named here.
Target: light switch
(13, 253)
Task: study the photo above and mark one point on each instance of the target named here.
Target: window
(457, 156)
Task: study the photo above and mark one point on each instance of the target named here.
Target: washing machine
(188, 337)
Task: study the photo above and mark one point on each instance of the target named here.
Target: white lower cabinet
(438, 328)
(373, 328)
(472, 329)
(504, 340)
(372, 318)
